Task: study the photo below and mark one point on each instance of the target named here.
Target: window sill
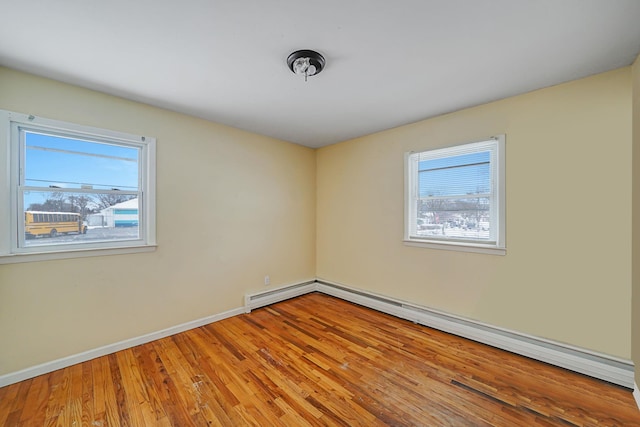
(79, 253)
(456, 246)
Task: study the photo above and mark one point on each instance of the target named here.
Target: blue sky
(103, 166)
(71, 163)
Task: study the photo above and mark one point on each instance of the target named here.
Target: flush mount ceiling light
(305, 63)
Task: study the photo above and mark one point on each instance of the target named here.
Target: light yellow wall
(635, 306)
(568, 147)
(232, 207)
(567, 272)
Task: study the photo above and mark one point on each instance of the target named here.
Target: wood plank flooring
(314, 361)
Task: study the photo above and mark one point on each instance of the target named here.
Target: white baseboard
(597, 365)
(44, 368)
(602, 366)
(272, 296)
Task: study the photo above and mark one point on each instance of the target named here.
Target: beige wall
(232, 207)
(567, 272)
(635, 306)
(568, 175)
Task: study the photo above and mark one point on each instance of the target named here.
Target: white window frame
(11, 207)
(497, 244)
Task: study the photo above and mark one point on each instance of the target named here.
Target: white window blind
(455, 194)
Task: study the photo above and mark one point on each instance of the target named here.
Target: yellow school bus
(52, 223)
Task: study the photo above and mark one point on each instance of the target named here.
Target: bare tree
(104, 201)
(440, 209)
(64, 202)
(55, 203)
(80, 204)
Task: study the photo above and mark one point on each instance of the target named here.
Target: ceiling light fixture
(305, 63)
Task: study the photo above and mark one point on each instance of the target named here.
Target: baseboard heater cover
(272, 296)
(608, 368)
(602, 366)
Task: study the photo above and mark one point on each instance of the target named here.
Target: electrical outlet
(267, 280)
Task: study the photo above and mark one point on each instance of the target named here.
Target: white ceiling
(388, 62)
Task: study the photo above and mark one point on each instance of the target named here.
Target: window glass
(73, 188)
(455, 195)
(457, 175)
(62, 162)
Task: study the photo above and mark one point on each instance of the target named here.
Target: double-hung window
(455, 197)
(73, 190)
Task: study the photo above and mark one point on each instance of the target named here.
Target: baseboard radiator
(605, 367)
(601, 366)
(260, 299)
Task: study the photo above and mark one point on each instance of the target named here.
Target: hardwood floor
(310, 361)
